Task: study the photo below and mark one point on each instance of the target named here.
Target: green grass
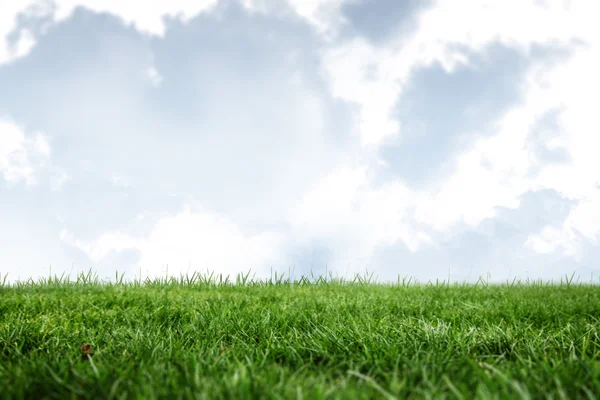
(201, 337)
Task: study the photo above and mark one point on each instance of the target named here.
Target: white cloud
(348, 67)
(374, 76)
(491, 173)
(100, 248)
(323, 15)
(203, 134)
(355, 218)
(348, 208)
(8, 19)
(148, 17)
(192, 241)
(118, 180)
(551, 239)
(497, 168)
(154, 76)
(583, 223)
(21, 155)
(59, 181)
(206, 240)
(512, 168)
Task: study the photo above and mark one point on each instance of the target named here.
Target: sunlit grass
(211, 337)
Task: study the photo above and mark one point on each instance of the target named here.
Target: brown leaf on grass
(86, 351)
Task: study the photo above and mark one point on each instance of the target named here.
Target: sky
(450, 139)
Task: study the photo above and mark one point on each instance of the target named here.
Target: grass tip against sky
(212, 280)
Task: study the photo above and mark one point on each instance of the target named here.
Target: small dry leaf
(86, 351)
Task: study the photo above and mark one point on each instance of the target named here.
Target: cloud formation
(235, 135)
(21, 155)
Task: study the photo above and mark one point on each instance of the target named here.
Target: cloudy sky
(430, 139)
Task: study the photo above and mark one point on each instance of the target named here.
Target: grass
(201, 337)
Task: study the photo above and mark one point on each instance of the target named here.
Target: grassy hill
(205, 338)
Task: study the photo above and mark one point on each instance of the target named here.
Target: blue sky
(430, 139)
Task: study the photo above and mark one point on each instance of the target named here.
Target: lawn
(202, 337)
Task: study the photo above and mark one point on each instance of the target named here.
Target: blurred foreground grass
(200, 337)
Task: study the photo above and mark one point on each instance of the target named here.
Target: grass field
(200, 337)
